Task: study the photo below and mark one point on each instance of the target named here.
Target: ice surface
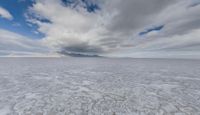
(99, 86)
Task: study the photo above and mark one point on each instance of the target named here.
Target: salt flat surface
(99, 86)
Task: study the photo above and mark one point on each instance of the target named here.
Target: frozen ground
(97, 86)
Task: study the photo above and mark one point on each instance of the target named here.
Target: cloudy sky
(118, 28)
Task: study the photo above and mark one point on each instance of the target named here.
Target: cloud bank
(121, 28)
(102, 27)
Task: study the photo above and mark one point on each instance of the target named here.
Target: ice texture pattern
(99, 86)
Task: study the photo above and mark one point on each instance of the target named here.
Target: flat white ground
(99, 86)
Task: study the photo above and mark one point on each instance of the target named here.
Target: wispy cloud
(13, 44)
(5, 14)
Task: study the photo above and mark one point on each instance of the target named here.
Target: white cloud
(116, 25)
(5, 14)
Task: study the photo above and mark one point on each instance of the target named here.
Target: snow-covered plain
(99, 86)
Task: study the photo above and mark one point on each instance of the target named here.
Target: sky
(113, 28)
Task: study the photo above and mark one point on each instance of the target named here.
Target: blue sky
(157, 28)
(99, 27)
(19, 24)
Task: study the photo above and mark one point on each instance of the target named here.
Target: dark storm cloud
(81, 48)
